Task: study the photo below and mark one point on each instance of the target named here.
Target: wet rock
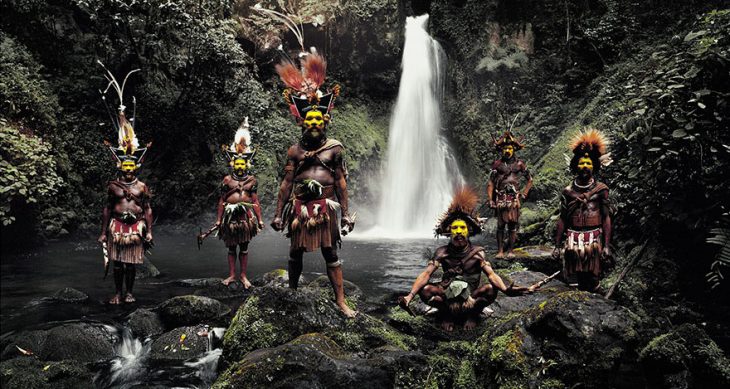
(557, 337)
(31, 373)
(147, 270)
(314, 360)
(223, 292)
(83, 342)
(179, 344)
(199, 282)
(276, 277)
(273, 316)
(70, 295)
(351, 290)
(683, 358)
(144, 323)
(189, 310)
(534, 258)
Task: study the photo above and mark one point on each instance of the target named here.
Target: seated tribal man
(314, 184)
(126, 227)
(239, 212)
(459, 294)
(503, 190)
(585, 212)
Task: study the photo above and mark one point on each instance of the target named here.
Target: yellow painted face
(508, 151)
(128, 166)
(459, 227)
(240, 165)
(585, 163)
(314, 122)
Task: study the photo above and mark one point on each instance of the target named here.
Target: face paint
(508, 151)
(313, 124)
(585, 163)
(240, 166)
(128, 166)
(459, 231)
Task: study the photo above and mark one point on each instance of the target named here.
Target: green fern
(721, 237)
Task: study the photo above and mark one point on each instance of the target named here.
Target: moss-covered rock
(314, 360)
(190, 309)
(31, 373)
(83, 342)
(685, 357)
(273, 316)
(145, 323)
(179, 344)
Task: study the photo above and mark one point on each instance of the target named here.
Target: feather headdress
(463, 206)
(508, 139)
(303, 93)
(241, 146)
(593, 144)
(128, 144)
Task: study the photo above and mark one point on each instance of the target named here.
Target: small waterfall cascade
(419, 174)
(130, 365)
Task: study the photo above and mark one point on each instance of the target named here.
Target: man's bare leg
(231, 266)
(500, 239)
(483, 297)
(334, 273)
(118, 283)
(295, 267)
(512, 239)
(243, 258)
(434, 296)
(130, 271)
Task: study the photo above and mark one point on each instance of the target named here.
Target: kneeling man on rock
(459, 295)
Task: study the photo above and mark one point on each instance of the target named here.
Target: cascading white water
(420, 173)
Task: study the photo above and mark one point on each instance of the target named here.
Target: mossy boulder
(70, 295)
(82, 342)
(316, 361)
(534, 258)
(559, 337)
(179, 344)
(145, 323)
(273, 316)
(189, 310)
(276, 277)
(685, 357)
(31, 373)
(147, 270)
(352, 291)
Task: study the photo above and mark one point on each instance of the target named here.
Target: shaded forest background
(653, 74)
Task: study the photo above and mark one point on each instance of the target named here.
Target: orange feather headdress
(463, 206)
(302, 91)
(593, 144)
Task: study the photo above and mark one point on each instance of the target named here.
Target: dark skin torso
(313, 169)
(120, 202)
(587, 216)
(510, 173)
(469, 266)
(238, 190)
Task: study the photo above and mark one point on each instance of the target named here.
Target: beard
(459, 240)
(585, 174)
(309, 134)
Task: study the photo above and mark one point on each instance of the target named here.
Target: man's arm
(257, 208)
(148, 212)
(284, 193)
(421, 281)
(221, 206)
(498, 283)
(105, 216)
(607, 226)
(341, 189)
(528, 177)
(560, 226)
(490, 187)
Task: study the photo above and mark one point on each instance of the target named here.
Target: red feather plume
(291, 76)
(315, 68)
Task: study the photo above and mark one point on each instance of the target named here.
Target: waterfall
(419, 174)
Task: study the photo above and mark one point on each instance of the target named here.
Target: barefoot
(447, 326)
(470, 323)
(346, 310)
(510, 255)
(116, 300)
(499, 255)
(129, 298)
(228, 280)
(245, 282)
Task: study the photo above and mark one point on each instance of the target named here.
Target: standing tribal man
(239, 212)
(459, 294)
(126, 228)
(585, 213)
(314, 184)
(503, 190)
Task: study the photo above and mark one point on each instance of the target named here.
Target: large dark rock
(189, 310)
(351, 290)
(147, 270)
(684, 358)
(273, 316)
(70, 295)
(179, 344)
(145, 323)
(533, 258)
(83, 342)
(31, 373)
(316, 361)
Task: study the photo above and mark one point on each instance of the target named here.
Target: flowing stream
(420, 173)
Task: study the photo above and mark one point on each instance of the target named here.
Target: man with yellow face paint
(314, 186)
(585, 214)
(503, 190)
(126, 227)
(239, 212)
(459, 296)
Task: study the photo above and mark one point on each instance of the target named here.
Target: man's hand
(607, 258)
(492, 204)
(277, 224)
(102, 238)
(403, 302)
(218, 223)
(347, 224)
(261, 225)
(148, 237)
(556, 253)
(523, 196)
(517, 290)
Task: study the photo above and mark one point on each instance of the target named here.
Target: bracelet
(411, 295)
